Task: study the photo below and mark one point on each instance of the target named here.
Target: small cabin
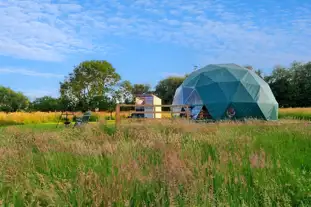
(149, 99)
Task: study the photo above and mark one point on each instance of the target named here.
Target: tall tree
(301, 83)
(46, 103)
(140, 89)
(125, 92)
(166, 88)
(88, 80)
(11, 101)
(281, 86)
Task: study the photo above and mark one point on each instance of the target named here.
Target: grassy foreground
(162, 164)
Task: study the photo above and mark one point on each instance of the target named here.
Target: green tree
(138, 89)
(46, 103)
(301, 84)
(166, 88)
(11, 101)
(281, 86)
(88, 80)
(126, 92)
(100, 102)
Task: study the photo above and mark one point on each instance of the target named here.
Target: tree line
(96, 84)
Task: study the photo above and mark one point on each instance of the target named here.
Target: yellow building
(149, 99)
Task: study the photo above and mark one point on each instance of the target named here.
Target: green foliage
(291, 86)
(138, 89)
(89, 79)
(166, 88)
(46, 104)
(11, 101)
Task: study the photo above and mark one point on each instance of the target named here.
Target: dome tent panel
(220, 75)
(242, 95)
(178, 99)
(265, 97)
(247, 110)
(229, 89)
(217, 110)
(186, 93)
(238, 73)
(259, 80)
(268, 110)
(253, 90)
(250, 79)
(195, 102)
(210, 67)
(211, 93)
(203, 80)
(194, 99)
(191, 81)
(273, 115)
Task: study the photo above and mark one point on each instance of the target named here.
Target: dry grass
(157, 163)
(17, 118)
(42, 117)
(296, 113)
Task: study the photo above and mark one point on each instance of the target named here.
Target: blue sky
(145, 40)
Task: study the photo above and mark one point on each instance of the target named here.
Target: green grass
(157, 164)
(295, 115)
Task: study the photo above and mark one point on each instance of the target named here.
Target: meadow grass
(295, 113)
(166, 163)
(19, 118)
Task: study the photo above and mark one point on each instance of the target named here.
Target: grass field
(157, 164)
(52, 117)
(295, 113)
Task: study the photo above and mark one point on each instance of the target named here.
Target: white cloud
(168, 74)
(33, 94)
(29, 73)
(257, 34)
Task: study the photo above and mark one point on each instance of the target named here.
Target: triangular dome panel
(221, 75)
(217, 110)
(253, 90)
(229, 89)
(186, 92)
(204, 80)
(191, 81)
(194, 99)
(247, 110)
(238, 73)
(211, 93)
(250, 79)
(242, 95)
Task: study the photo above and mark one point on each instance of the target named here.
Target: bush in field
(157, 164)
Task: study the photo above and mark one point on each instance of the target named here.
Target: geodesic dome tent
(227, 91)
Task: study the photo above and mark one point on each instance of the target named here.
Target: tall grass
(41, 117)
(17, 118)
(295, 113)
(157, 164)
